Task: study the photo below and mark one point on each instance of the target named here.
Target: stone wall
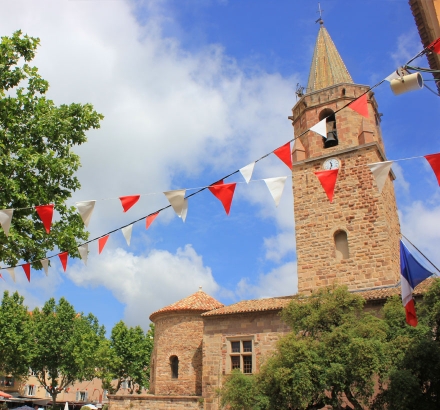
(266, 328)
(150, 402)
(177, 334)
(368, 217)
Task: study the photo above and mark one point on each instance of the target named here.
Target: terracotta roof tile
(379, 294)
(278, 303)
(257, 305)
(199, 301)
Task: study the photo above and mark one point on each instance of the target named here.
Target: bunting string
(224, 192)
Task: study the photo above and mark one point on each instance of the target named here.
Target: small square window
(247, 346)
(235, 362)
(247, 364)
(241, 355)
(235, 347)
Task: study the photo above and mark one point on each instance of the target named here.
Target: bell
(332, 140)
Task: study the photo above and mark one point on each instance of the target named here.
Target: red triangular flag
(434, 161)
(328, 181)
(63, 258)
(27, 270)
(45, 212)
(435, 46)
(223, 192)
(360, 105)
(410, 311)
(151, 218)
(284, 154)
(128, 201)
(101, 242)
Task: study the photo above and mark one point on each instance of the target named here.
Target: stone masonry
(368, 217)
(264, 328)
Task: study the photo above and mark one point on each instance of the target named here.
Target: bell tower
(354, 240)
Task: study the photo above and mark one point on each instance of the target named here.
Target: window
(81, 396)
(104, 394)
(332, 134)
(174, 364)
(6, 381)
(29, 390)
(241, 355)
(341, 245)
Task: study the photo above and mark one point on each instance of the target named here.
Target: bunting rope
(43, 211)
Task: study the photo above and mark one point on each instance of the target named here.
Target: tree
(37, 164)
(334, 355)
(15, 339)
(414, 379)
(65, 345)
(126, 358)
(240, 392)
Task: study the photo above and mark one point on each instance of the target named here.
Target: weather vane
(321, 21)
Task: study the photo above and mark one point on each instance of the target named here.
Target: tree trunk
(54, 399)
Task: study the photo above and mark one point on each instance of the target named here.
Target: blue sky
(192, 91)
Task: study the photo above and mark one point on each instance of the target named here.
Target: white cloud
(400, 182)
(146, 283)
(282, 281)
(421, 225)
(408, 45)
(168, 113)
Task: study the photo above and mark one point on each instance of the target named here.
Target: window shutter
(86, 395)
(77, 396)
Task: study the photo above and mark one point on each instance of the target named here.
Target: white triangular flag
(84, 252)
(85, 209)
(5, 219)
(11, 271)
(247, 172)
(276, 187)
(126, 231)
(320, 128)
(176, 199)
(184, 210)
(45, 264)
(380, 171)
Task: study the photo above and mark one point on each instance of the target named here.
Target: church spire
(327, 66)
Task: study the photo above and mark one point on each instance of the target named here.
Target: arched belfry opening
(332, 134)
(174, 364)
(341, 245)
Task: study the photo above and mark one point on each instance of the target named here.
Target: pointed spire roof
(197, 302)
(327, 66)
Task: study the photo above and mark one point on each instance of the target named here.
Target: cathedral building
(352, 241)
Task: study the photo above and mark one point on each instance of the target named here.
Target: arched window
(332, 134)
(341, 245)
(174, 364)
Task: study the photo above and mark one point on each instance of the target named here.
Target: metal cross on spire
(321, 21)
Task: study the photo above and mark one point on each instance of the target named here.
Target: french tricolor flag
(412, 273)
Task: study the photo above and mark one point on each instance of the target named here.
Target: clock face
(331, 163)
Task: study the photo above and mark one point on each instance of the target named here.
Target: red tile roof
(257, 305)
(278, 303)
(199, 301)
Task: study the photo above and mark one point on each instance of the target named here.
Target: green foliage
(335, 352)
(414, 378)
(126, 357)
(65, 345)
(37, 164)
(240, 392)
(15, 341)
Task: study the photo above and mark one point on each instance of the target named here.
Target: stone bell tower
(354, 240)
